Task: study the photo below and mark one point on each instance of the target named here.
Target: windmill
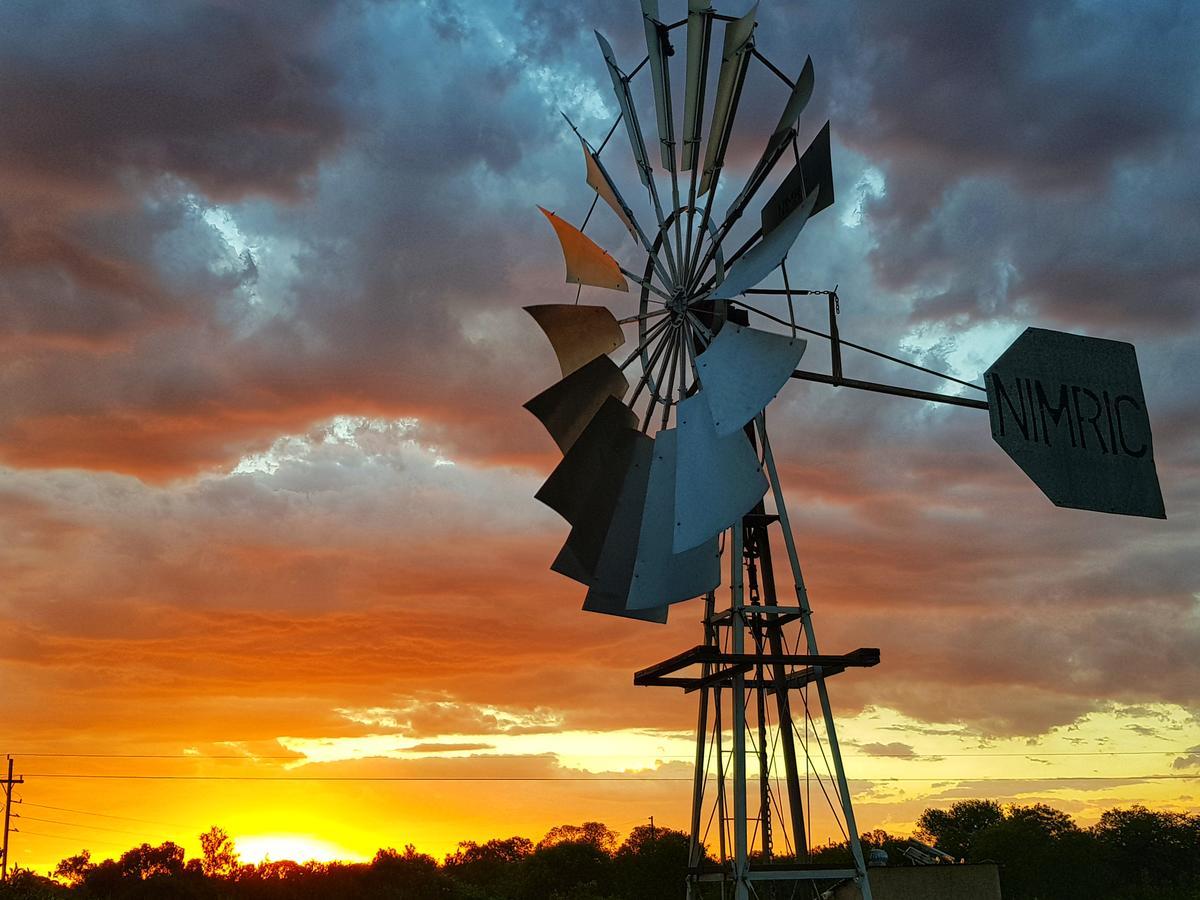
(668, 468)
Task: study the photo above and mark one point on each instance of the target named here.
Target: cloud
(258, 293)
(894, 749)
(1189, 761)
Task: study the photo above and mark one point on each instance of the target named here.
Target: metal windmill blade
(657, 463)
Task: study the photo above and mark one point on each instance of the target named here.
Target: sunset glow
(270, 557)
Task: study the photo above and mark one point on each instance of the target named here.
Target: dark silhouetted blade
(567, 563)
(567, 406)
(614, 605)
(585, 486)
(614, 570)
(578, 334)
(813, 175)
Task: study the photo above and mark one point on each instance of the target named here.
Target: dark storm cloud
(231, 97)
(378, 165)
(1036, 156)
(1049, 93)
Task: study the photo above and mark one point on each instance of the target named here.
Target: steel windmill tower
(668, 472)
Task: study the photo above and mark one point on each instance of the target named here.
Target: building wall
(963, 882)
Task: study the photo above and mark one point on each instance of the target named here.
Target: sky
(266, 486)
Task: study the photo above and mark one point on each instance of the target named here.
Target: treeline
(1130, 854)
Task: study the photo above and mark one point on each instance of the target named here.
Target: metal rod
(654, 313)
(647, 372)
(683, 361)
(893, 390)
(835, 341)
(669, 343)
(588, 217)
(644, 283)
(782, 696)
(650, 334)
(696, 848)
(879, 353)
(637, 226)
(791, 308)
(604, 142)
(669, 384)
(770, 65)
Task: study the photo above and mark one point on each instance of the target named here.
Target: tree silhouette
(953, 829)
(1130, 854)
(220, 858)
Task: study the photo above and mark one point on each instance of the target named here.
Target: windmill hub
(678, 305)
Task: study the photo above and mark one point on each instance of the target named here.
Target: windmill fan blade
(578, 334)
(567, 406)
(761, 259)
(614, 605)
(585, 486)
(814, 174)
(628, 113)
(587, 262)
(742, 370)
(598, 180)
(658, 46)
(661, 576)
(614, 569)
(609, 578)
(699, 33)
(735, 58)
(567, 562)
(801, 93)
(717, 479)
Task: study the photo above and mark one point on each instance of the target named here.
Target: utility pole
(8, 783)
(652, 828)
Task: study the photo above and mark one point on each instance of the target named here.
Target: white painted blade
(661, 576)
(717, 479)
(763, 258)
(742, 370)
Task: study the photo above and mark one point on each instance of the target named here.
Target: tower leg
(738, 697)
(810, 637)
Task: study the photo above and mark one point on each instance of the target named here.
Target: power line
(70, 837)
(297, 757)
(252, 757)
(86, 812)
(25, 818)
(573, 778)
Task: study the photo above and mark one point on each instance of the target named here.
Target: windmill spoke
(646, 283)
(656, 384)
(666, 387)
(647, 369)
(650, 335)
